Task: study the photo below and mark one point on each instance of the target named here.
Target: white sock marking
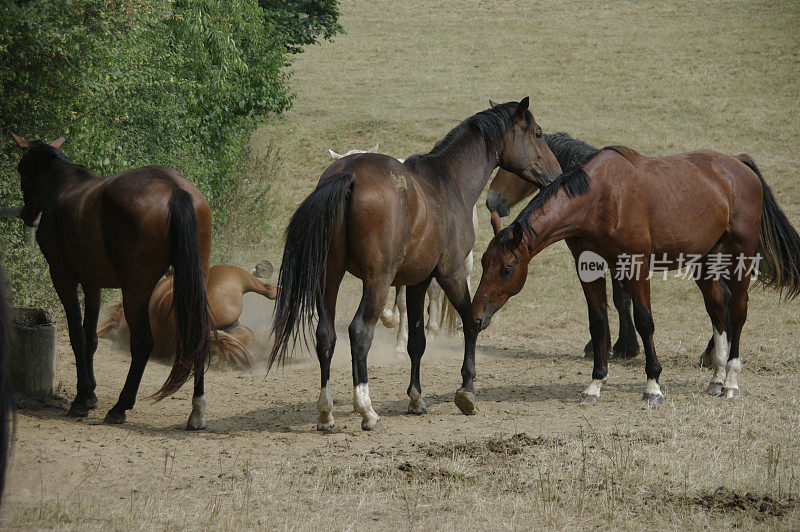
(733, 368)
(363, 404)
(325, 406)
(594, 388)
(652, 388)
(720, 357)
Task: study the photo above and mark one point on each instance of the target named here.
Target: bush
(129, 83)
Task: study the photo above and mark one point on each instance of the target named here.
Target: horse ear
(516, 233)
(335, 155)
(22, 143)
(523, 106)
(495, 222)
(492, 104)
(58, 142)
(374, 149)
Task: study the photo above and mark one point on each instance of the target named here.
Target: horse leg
(390, 317)
(639, 290)
(588, 350)
(67, 290)
(715, 306)
(434, 309)
(416, 345)
(626, 346)
(136, 305)
(362, 330)
(595, 293)
(737, 311)
(402, 325)
(91, 306)
(326, 342)
(455, 288)
(707, 358)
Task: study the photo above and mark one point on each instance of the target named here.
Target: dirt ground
(659, 77)
(532, 454)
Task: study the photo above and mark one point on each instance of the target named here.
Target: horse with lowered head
(506, 190)
(390, 224)
(122, 231)
(720, 210)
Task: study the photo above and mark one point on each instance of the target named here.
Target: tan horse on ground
(232, 342)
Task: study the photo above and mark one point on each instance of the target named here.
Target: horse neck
(463, 169)
(54, 179)
(559, 218)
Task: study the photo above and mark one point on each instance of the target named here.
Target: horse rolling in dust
(122, 231)
(506, 190)
(440, 311)
(393, 224)
(701, 203)
(231, 342)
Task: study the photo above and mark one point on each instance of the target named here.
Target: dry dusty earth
(532, 455)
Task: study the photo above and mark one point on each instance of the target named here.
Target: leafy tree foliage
(174, 82)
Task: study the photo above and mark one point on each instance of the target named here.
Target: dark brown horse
(121, 231)
(621, 204)
(507, 189)
(391, 223)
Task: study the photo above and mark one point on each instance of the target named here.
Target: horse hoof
(417, 407)
(375, 425)
(731, 393)
(590, 399)
(77, 409)
(196, 424)
(653, 399)
(326, 427)
(114, 418)
(625, 350)
(714, 388)
(465, 401)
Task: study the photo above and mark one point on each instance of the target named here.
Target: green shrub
(179, 83)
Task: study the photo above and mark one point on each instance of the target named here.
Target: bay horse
(231, 342)
(121, 231)
(506, 190)
(622, 204)
(389, 224)
(440, 311)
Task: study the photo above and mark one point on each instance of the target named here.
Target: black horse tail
(301, 281)
(189, 301)
(779, 247)
(8, 416)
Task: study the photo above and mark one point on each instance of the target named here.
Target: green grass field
(659, 77)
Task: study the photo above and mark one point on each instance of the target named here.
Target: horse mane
(569, 151)
(51, 152)
(629, 153)
(490, 124)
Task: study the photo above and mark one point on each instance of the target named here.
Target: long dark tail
(189, 302)
(8, 416)
(301, 281)
(779, 246)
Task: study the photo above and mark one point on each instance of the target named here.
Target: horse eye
(538, 133)
(508, 270)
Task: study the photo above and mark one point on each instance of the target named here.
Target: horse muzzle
(495, 201)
